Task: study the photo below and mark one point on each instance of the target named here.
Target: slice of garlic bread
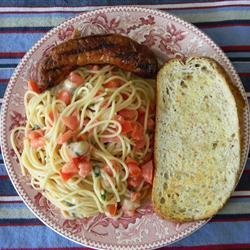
(197, 140)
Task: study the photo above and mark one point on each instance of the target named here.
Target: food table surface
(22, 23)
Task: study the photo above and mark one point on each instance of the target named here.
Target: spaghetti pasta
(87, 154)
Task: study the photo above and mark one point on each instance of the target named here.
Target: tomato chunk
(135, 196)
(62, 138)
(66, 176)
(137, 132)
(128, 114)
(76, 79)
(135, 182)
(127, 127)
(71, 122)
(69, 168)
(134, 169)
(147, 172)
(151, 124)
(85, 168)
(37, 143)
(64, 96)
(32, 85)
(108, 170)
(140, 144)
(112, 208)
(116, 83)
(35, 134)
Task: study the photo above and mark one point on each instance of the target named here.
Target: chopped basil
(35, 127)
(97, 171)
(103, 195)
(69, 204)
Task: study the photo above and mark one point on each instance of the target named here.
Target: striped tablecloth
(22, 23)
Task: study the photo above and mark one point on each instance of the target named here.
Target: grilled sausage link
(113, 49)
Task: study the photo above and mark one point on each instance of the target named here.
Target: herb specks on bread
(197, 140)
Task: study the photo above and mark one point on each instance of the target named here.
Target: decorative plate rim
(3, 138)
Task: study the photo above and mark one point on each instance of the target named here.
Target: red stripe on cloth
(16, 31)
(212, 247)
(228, 219)
(11, 202)
(164, 9)
(205, 7)
(239, 48)
(28, 224)
(240, 196)
(218, 25)
(244, 74)
(4, 177)
(11, 54)
(4, 81)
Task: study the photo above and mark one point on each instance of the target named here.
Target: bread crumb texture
(197, 147)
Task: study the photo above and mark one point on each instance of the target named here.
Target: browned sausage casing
(113, 49)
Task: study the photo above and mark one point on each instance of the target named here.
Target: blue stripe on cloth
(2, 169)
(6, 73)
(212, 233)
(242, 66)
(9, 60)
(229, 35)
(42, 237)
(64, 3)
(7, 188)
(24, 42)
(218, 233)
(2, 89)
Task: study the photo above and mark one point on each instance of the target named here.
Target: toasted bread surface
(197, 140)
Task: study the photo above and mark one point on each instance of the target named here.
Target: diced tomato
(93, 67)
(69, 168)
(108, 170)
(82, 137)
(37, 143)
(135, 196)
(71, 122)
(66, 176)
(147, 172)
(99, 92)
(76, 79)
(124, 96)
(148, 157)
(35, 134)
(112, 208)
(141, 118)
(138, 131)
(85, 168)
(127, 127)
(128, 114)
(152, 108)
(135, 182)
(32, 85)
(130, 160)
(62, 138)
(119, 118)
(110, 139)
(150, 124)
(140, 144)
(105, 104)
(116, 83)
(134, 169)
(51, 116)
(64, 96)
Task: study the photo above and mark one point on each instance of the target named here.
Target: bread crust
(240, 104)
